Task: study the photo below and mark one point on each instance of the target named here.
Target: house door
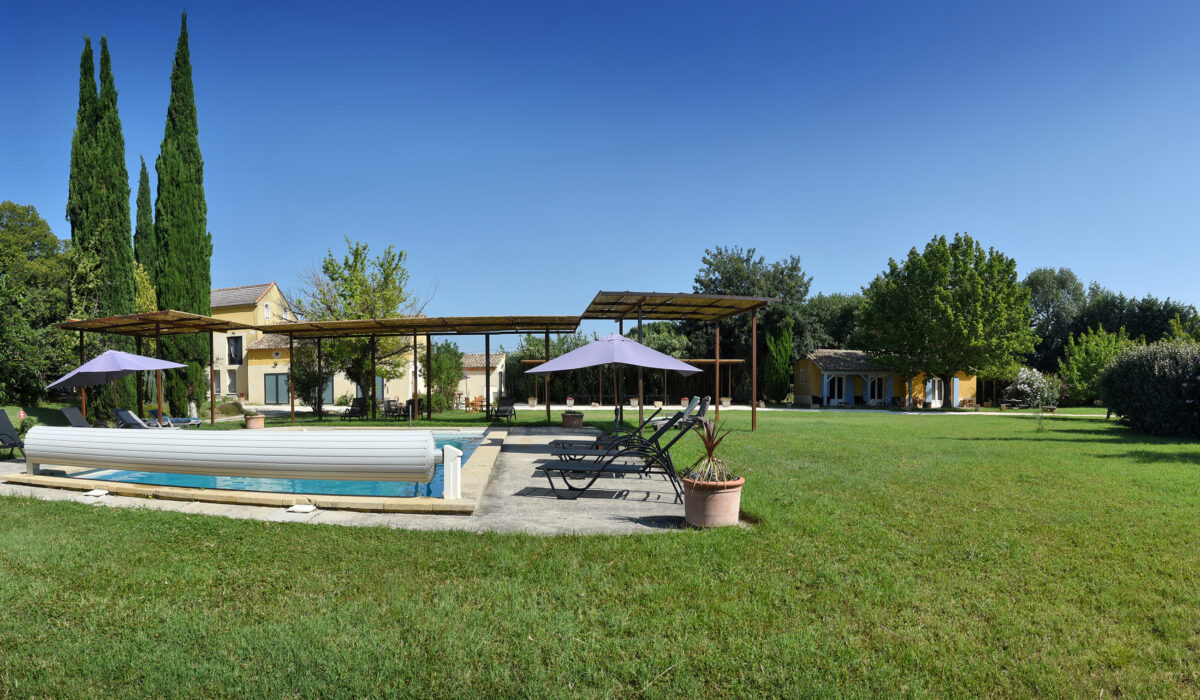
(275, 389)
(231, 381)
(327, 394)
(935, 391)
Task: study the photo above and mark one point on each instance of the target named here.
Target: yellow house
(473, 382)
(852, 378)
(254, 365)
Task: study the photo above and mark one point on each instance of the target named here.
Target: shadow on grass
(1148, 457)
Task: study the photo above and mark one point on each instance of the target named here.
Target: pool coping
(475, 476)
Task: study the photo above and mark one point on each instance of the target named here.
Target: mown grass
(891, 555)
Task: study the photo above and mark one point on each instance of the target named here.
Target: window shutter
(954, 391)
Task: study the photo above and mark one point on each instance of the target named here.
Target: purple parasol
(613, 349)
(110, 365)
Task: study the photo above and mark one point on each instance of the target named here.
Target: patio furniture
(9, 437)
(178, 422)
(127, 419)
(392, 409)
(605, 445)
(357, 409)
(633, 457)
(688, 421)
(75, 418)
(505, 409)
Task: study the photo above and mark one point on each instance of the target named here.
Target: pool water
(331, 487)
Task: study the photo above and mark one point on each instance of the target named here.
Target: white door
(936, 391)
(231, 387)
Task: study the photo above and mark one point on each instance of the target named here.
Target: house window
(275, 389)
(231, 381)
(234, 354)
(837, 388)
(935, 390)
(877, 389)
(267, 311)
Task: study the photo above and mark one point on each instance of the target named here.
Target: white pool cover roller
(357, 455)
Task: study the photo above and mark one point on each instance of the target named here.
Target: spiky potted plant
(712, 494)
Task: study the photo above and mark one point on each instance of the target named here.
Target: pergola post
(487, 376)
(157, 373)
(321, 376)
(641, 388)
(415, 390)
(717, 371)
(140, 376)
(374, 380)
(212, 382)
(291, 383)
(547, 376)
(83, 389)
(617, 393)
(753, 371)
(428, 374)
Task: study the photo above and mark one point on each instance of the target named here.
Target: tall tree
(184, 277)
(1057, 299)
(952, 307)
(145, 247)
(80, 190)
(830, 321)
(1085, 358)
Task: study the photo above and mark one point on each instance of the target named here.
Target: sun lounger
(127, 419)
(178, 422)
(619, 433)
(505, 409)
(688, 421)
(603, 447)
(74, 418)
(633, 458)
(9, 437)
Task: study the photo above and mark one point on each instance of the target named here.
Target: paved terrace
(516, 498)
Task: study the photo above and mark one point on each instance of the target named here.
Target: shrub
(1034, 388)
(1086, 357)
(343, 400)
(1149, 388)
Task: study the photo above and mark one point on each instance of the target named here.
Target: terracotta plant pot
(570, 402)
(712, 503)
(572, 419)
(532, 402)
(255, 422)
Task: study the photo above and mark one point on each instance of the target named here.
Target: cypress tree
(79, 186)
(145, 248)
(181, 229)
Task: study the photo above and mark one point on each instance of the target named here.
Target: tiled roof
(475, 359)
(846, 361)
(269, 341)
(247, 295)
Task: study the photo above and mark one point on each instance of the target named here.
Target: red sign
(21, 413)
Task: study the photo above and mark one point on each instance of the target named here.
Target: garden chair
(357, 409)
(9, 437)
(505, 409)
(74, 418)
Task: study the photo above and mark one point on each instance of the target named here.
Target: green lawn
(891, 555)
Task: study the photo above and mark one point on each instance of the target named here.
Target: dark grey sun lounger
(577, 449)
(74, 418)
(602, 449)
(689, 421)
(127, 419)
(9, 437)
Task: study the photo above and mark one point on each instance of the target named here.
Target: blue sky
(527, 155)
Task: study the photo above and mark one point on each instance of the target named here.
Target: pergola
(415, 326)
(668, 306)
(155, 324)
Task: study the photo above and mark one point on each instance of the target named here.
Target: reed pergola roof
(671, 306)
(152, 323)
(437, 325)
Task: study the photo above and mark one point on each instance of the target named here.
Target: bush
(1149, 388)
(343, 400)
(1034, 388)
(1085, 358)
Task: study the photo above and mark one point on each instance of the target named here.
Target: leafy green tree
(145, 246)
(738, 271)
(184, 245)
(1057, 298)
(953, 307)
(357, 286)
(445, 371)
(778, 379)
(664, 337)
(830, 321)
(1148, 318)
(1085, 358)
(309, 383)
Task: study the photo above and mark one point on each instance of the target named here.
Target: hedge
(1153, 388)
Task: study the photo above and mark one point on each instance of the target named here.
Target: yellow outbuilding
(829, 377)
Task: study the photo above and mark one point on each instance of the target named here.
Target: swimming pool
(466, 442)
